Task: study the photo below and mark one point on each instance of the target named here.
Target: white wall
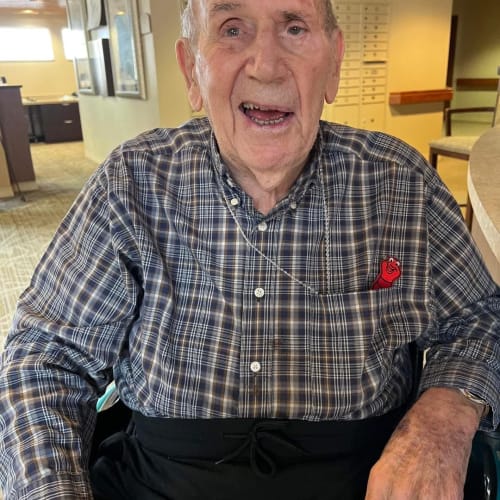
(108, 121)
(418, 57)
(172, 97)
(478, 48)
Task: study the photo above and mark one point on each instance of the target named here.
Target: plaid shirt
(165, 277)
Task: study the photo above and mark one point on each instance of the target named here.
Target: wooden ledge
(420, 96)
(477, 83)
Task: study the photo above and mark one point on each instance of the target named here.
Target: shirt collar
(308, 178)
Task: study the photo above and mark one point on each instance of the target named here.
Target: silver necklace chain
(326, 215)
(275, 264)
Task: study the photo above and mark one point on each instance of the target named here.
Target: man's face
(262, 70)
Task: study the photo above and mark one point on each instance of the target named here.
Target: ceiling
(38, 6)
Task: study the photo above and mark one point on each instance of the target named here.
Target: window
(73, 43)
(26, 44)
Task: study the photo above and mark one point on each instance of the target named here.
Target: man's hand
(427, 455)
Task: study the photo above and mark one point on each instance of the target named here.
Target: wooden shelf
(420, 96)
(477, 84)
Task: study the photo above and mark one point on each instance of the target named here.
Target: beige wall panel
(108, 121)
(418, 57)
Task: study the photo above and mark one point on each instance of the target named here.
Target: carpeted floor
(26, 227)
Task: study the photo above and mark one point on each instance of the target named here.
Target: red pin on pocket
(390, 271)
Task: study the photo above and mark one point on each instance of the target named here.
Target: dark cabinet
(61, 122)
(14, 137)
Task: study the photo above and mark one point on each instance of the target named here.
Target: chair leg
(433, 158)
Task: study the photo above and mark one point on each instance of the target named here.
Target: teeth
(254, 106)
(251, 106)
(268, 122)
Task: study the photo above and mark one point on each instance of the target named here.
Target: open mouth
(264, 116)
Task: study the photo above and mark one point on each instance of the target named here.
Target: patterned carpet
(26, 227)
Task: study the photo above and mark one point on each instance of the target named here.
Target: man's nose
(266, 58)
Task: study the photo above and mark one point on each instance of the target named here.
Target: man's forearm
(427, 456)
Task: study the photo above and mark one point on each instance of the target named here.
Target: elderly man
(252, 282)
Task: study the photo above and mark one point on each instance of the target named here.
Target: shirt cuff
(474, 377)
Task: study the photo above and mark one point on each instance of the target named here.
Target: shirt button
(293, 205)
(234, 202)
(259, 293)
(255, 366)
(262, 226)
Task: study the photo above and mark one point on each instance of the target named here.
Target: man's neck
(266, 189)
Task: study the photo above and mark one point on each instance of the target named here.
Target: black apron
(240, 459)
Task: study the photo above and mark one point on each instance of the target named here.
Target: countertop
(48, 99)
(483, 184)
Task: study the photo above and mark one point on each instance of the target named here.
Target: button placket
(258, 285)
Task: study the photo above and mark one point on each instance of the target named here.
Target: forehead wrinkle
(287, 15)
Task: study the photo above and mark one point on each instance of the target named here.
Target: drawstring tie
(261, 462)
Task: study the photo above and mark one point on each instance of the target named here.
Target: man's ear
(186, 62)
(332, 85)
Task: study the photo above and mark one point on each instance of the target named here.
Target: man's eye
(232, 32)
(296, 30)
